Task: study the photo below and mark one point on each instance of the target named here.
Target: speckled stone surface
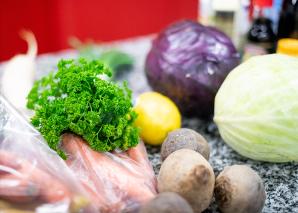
(281, 180)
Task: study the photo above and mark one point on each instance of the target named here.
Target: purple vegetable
(188, 62)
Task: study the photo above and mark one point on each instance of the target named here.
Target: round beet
(239, 189)
(189, 174)
(184, 139)
(167, 202)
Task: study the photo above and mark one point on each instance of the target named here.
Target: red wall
(54, 21)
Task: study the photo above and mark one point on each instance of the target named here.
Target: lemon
(157, 115)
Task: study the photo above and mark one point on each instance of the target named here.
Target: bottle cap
(262, 3)
(288, 46)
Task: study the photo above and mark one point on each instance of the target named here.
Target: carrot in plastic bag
(121, 182)
(25, 181)
(31, 174)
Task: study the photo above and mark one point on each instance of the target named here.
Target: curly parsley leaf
(76, 99)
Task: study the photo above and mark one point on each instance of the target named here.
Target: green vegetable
(116, 60)
(75, 99)
(256, 108)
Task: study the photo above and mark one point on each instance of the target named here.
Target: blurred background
(54, 22)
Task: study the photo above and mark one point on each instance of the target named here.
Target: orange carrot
(8, 159)
(29, 181)
(119, 185)
(139, 154)
(17, 189)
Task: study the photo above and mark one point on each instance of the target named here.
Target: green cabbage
(256, 108)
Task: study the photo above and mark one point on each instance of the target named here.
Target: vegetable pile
(91, 123)
(256, 108)
(76, 99)
(188, 62)
(187, 172)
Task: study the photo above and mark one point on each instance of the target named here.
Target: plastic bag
(33, 178)
(118, 181)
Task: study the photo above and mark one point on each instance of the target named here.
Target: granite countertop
(281, 180)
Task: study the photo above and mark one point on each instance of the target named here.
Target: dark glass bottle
(261, 33)
(288, 20)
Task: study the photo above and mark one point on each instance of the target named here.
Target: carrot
(73, 148)
(111, 179)
(52, 190)
(13, 186)
(96, 197)
(93, 186)
(8, 159)
(128, 164)
(139, 154)
(16, 189)
(31, 182)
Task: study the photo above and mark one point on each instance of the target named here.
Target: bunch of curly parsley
(76, 99)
